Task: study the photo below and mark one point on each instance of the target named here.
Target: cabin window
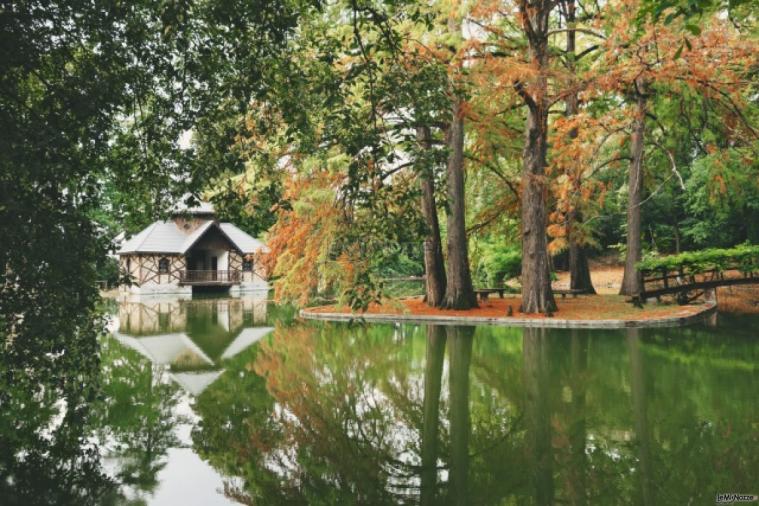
(247, 265)
(163, 266)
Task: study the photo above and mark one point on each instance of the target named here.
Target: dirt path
(606, 279)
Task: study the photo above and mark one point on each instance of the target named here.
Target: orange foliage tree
(633, 69)
(303, 257)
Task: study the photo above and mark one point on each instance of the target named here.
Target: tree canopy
(562, 124)
(376, 138)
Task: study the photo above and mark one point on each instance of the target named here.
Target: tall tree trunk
(434, 267)
(632, 281)
(579, 272)
(537, 296)
(459, 293)
(460, 356)
(433, 377)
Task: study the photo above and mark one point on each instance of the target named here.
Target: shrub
(744, 257)
(500, 263)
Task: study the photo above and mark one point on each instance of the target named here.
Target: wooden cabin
(192, 250)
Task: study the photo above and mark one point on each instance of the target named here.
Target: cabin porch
(210, 277)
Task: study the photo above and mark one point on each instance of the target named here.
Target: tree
(632, 281)
(650, 64)
(459, 293)
(579, 272)
(537, 296)
(380, 103)
(303, 241)
(639, 96)
(434, 266)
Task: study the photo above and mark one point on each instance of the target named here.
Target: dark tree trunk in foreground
(460, 341)
(459, 293)
(632, 281)
(579, 272)
(537, 296)
(434, 266)
(433, 378)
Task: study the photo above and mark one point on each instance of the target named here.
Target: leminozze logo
(732, 498)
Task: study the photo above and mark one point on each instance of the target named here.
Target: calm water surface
(227, 401)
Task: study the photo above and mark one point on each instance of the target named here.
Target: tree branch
(672, 162)
(581, 30)
(519, 88)
(495, 171)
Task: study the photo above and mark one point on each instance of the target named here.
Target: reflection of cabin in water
(192, 339)
(192, 250)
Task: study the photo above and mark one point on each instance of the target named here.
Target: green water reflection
(279, 411)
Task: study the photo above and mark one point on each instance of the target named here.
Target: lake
(235, 400)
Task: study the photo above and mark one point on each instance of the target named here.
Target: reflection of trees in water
(137, 421)
(351, 415)
(694, 419)
(537, 389)
(235, 426)
(642, 429)
(326, 418)
(343, 418)
(332, 414)
(45, 422)
(693, 412)
(576, 461)
(433, 373)
(354, 416)
(460, 357)
(57, 421)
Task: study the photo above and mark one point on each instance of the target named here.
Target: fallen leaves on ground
(583, 307)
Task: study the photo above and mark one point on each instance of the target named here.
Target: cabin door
(214, 267)
(196, 261)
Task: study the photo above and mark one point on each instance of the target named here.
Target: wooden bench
(573, 292)
(483, 293)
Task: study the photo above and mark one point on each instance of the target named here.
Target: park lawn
(583, 307)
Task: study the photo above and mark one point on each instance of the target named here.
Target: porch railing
(210, 276)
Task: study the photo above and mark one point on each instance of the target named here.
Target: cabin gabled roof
(245, 242)
(167, 237)
(158, 237)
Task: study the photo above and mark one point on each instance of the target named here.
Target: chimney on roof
(189, 217)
